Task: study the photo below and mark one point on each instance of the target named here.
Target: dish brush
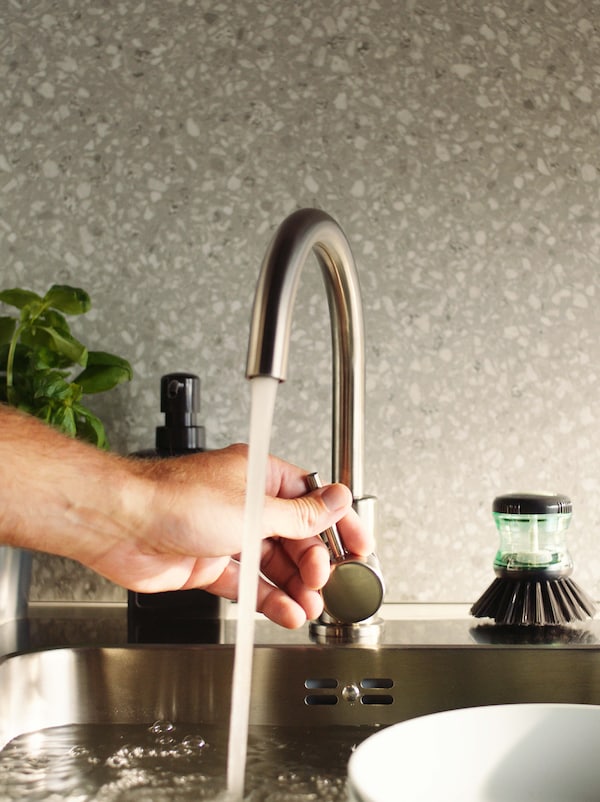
(533, 567)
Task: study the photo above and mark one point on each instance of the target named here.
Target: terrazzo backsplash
(150, 149)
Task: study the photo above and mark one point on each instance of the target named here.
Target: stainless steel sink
(294, 685)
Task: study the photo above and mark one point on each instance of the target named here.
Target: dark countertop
(53, 626)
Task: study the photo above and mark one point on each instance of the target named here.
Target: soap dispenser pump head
(180, 401)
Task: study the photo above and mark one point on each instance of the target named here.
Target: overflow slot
(320, 682)
(377, 699)
(376, 682)
(315, 699)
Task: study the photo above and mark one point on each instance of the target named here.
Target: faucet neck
(302, 233)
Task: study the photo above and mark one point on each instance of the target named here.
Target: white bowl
(503, 753)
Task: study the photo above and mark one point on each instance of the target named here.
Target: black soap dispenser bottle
(179, 616)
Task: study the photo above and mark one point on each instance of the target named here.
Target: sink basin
(311, 705)
(293, 685)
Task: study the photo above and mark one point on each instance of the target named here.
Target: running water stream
(262, 404)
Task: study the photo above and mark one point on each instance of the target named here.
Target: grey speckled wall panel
(149, 150)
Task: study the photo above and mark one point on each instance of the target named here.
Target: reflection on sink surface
(293, 685)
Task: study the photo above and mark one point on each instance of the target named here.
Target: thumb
(305, 516)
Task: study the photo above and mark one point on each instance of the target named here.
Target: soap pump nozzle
(180, 402)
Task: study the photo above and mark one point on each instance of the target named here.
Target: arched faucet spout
(305, 232)
(302, 233)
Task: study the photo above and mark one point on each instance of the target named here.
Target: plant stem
(13, 347)
(10, 360)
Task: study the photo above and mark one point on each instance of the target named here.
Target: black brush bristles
(534, 602)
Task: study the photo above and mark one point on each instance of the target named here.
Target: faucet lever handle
(330, 536)
(354, 591)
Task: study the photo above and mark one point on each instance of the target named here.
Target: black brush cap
(532, 504)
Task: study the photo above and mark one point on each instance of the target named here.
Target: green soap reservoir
(532, 529)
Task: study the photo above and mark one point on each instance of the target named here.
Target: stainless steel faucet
(355, 588)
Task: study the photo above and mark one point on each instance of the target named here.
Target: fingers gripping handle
(354, 591)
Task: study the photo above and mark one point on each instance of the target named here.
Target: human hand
(169, 524)
(189, 535)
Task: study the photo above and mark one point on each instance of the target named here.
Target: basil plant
(45, 370)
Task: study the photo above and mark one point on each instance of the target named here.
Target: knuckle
(307, 512)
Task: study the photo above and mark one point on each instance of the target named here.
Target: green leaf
(7, 329)
(109, 360)
(53, 319)
(63, 418)
(18, 297)
(60, 342)
(42, 358)
(52, 384)
(90, 427)
(103, 372)
(71, 300)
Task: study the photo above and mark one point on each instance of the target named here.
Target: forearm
(58, 494)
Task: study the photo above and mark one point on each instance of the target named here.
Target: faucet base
(327, 631)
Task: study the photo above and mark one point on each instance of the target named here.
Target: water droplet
(162, 726)
(165, 740)
(193, 742)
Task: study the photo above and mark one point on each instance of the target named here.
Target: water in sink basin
(130, 763)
